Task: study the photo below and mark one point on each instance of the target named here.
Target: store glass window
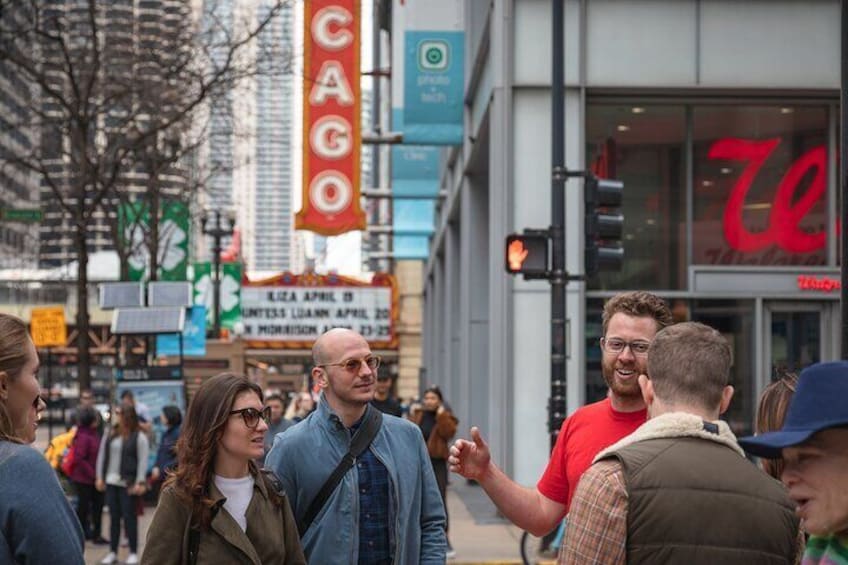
(643, 145)
(735, 320)
(760, 179)
(596, 388)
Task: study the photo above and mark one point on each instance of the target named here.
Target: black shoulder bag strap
(194, 536)
(359, 443)
(193, 543)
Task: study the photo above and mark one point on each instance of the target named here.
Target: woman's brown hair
(771, 412)
(202, 428)
(14, 337)
(128, 423)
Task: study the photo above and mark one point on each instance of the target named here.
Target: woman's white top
(238, 493)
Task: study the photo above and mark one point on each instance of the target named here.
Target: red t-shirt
(584, 434)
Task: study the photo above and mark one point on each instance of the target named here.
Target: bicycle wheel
(537, 550)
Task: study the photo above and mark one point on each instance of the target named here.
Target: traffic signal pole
(527, 253)
(558, 275)
(843, 168)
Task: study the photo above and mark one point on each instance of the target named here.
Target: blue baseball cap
(820, 402)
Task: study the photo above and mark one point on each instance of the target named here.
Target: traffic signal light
(604, 225)
(527, 254)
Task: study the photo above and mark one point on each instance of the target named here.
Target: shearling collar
(676, 424)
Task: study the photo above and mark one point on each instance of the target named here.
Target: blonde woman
(37, 523)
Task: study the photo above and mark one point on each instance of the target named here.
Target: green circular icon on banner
(434, 55)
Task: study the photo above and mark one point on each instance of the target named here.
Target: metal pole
(556, 403)
(376, 126)
(48, 400)
(843, 176)
(216, 281)
(376, 117)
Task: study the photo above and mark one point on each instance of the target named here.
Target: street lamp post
(218, 232)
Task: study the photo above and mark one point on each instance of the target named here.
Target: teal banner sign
(415, 186)
(194, 336)
(433, 84)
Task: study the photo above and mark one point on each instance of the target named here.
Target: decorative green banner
(230, 292)
(134, 224)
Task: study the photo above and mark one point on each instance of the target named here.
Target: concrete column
(501, 179)
(409, 276)
(474, 307)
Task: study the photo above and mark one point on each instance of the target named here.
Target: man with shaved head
(387, 507)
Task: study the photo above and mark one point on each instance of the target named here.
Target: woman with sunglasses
(217, 507)
(37, 525)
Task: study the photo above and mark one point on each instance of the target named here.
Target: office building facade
(720, 117)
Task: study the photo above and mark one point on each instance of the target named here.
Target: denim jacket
(305, 456)
(37, 525)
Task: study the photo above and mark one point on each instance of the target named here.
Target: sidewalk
(94, 553)
(477, 533)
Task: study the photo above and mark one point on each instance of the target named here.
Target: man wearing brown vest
(679, 489)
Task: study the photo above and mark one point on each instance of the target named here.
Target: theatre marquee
(291, 311)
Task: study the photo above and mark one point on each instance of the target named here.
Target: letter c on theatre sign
(329, 40)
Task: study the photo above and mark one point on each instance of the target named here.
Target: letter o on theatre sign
(330, 192)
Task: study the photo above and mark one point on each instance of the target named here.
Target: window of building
(735, 320)
(644, 146)
(760, 179)
(759, 185)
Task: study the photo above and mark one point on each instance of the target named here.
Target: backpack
(57, 448)
(69, 459)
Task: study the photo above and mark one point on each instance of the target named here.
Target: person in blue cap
(814, 446)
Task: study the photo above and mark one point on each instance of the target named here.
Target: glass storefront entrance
(794, 337)
(798, 334)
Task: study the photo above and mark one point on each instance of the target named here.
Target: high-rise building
(270, 248)
(249, 155)
(18, 186)
(125, 29)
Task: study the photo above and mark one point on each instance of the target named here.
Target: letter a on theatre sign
(331, 122)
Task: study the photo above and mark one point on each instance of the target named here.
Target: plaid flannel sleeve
(597, 522)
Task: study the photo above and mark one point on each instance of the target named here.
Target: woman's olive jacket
(271, 535)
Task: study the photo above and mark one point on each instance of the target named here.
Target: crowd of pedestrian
(650, 474)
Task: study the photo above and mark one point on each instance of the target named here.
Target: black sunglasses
(251, 416)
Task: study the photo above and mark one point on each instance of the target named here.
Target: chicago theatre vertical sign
(331, 118)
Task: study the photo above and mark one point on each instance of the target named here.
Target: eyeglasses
(251, 416)
(351, 365)
(615, 345)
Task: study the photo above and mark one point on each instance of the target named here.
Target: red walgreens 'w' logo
(785, 216)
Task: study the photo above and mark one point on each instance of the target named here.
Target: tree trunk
(83, 355)
(153, 242)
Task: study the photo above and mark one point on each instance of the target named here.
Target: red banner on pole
(331, 118)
